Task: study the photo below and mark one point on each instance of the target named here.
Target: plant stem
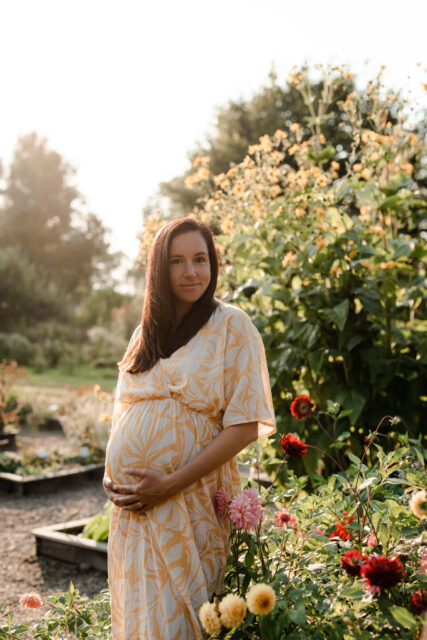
(236, 558)
(274, 480)
(367, 449)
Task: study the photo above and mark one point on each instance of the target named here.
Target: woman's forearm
(221, 449)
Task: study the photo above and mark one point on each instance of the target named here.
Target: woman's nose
(189, 269)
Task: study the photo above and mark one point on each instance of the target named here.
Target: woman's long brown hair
(159, 336)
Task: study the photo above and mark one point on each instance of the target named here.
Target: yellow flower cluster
(201, 174)
(289, 258)
(231, 611)
(201, 160)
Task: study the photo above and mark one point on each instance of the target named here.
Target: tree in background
(25, 292)
(44, 216)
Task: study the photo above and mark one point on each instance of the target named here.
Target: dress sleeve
(247, 390)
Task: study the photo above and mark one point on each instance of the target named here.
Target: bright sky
(123, 88)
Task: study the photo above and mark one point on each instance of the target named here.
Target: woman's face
(189, 270)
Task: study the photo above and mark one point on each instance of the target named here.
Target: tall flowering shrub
(325, 250)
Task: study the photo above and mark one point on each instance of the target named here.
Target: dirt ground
(21, 570)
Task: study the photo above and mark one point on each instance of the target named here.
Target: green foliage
(14, 346)
(316, 598)
(98, 527)
(44, 462)
(26, 295)
(97, 308)
(326, 252)
(69, 615)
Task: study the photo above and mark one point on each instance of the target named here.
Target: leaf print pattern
(163, 565)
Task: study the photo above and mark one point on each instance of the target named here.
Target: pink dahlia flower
(285, 519)
(30, 601)
(221, 501)
(246, 510)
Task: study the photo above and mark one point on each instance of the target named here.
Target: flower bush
(325, 250)
(347, 560)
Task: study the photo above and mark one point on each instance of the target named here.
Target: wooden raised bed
(25, 485)
(8, 440)
(62, 542)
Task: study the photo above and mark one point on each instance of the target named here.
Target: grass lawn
(106, 378)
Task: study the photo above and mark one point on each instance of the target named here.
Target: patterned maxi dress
(163, 565)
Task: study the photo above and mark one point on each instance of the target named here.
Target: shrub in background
(327, 252)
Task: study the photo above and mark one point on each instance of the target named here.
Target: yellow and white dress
(163, 565)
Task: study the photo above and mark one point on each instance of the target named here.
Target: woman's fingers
(125, 500)
(125, 488)
(135, 507)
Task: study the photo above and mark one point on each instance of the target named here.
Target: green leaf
(393, 202)
(315, 360)
(403, 617)
(265, 628)
(354, 458)
(298, 615)
(338, 314)
(354, 341)
(367, 482)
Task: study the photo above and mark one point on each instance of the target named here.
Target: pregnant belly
(156, 434)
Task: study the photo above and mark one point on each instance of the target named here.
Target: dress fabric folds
(163, 565)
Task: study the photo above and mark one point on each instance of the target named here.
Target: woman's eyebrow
(199, 253)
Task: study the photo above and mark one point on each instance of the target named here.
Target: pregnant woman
(193, 390)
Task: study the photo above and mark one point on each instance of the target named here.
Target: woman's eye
(201, 259)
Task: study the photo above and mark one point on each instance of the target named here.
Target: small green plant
(98, 527)
(66, 615)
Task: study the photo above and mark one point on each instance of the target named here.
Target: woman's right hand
(128, 501)
(106, 483)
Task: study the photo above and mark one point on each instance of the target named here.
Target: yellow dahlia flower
(209, 618)
(261, 599)
(232, 610)
(417, 505)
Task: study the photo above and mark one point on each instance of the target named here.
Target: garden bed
(8, 440)
(51, 481)
(63, 542)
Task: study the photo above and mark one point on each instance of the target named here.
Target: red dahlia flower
(419, 601)
(382, 573)
(352, 562)
(302, 407)
(294, 447)
(341, 531)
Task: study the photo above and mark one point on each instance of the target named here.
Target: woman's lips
(190, 286)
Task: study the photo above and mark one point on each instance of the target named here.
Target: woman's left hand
(151, 488)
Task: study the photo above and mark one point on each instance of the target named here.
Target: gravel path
(20, 569)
